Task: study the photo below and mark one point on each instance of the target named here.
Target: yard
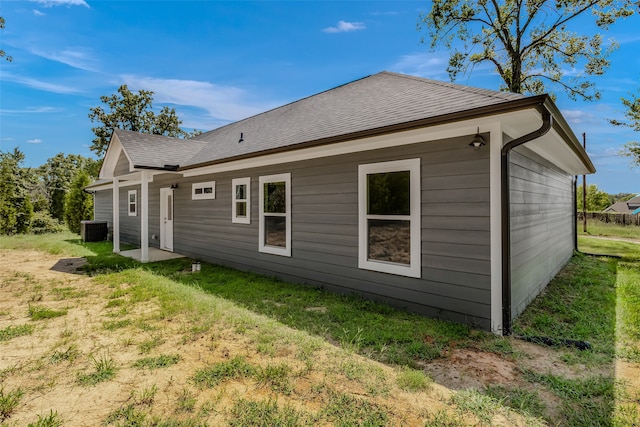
(91, 338)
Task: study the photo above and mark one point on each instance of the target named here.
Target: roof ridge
(457, 86)
(154, 135)
(282, 106)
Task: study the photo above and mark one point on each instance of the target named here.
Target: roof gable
(112, 157)
(634, 202)
(630, 206)
(148, 151)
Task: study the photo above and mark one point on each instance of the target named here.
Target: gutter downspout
(574, 201)
(547, 121)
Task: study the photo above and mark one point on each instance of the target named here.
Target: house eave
(563, 129)
(503, 107)
(166, 168)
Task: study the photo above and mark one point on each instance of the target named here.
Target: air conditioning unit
(93, 231)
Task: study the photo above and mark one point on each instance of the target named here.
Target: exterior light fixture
(477, 141)
(174, 186)
(241, 138)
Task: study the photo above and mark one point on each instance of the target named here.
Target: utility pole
(584, 189)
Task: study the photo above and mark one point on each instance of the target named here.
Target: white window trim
(203, 185)
(414, 268)
(234, 217)
(135, 202)
(275, 250)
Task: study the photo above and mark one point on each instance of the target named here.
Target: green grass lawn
(375, 330)
(599, 246)
(599, 228)
(595, 298)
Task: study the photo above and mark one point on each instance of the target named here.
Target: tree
(623, 197)
(78, 203)
(130, 111)
(597, 200)
(528, 42)
(3, 54)
(632, 148)
(16, 209)
(57, 174)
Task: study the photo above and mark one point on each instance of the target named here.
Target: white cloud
(222, 103)
(34, 141)
(576, 117)
(345, 27)
(52, 3)
(431, 65)
(33, 110)
(79, 58)
(39, 84)
(38, 13)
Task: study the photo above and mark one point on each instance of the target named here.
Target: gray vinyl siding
(103, 207)
(122, 167)
(129, 225)
(542, 226)
(103, 211)
(455, 245)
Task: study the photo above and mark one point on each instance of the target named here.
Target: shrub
(42, 223)
(78, 204)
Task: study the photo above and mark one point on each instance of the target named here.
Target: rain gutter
(547, 121)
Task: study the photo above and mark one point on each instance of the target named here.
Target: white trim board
(262, 246)
(463, 128)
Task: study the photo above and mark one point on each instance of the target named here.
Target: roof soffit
(557, 146)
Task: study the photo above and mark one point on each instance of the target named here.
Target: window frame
(234, 214)
(134, 203)
(262, 247)
(414, 268)
(201, 186)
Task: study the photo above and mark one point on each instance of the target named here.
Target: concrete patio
(155, 255)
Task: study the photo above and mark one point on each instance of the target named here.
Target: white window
(203, 190)
(132, 202)
(241, 200)
(389, 217)
(275, 214)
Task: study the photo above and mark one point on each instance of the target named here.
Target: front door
(166, 219)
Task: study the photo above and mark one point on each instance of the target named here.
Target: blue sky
(217, 62)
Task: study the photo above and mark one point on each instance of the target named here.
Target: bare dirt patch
(465, 368)
(50, 366)
(104, 323)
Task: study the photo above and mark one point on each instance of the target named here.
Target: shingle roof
(630, 206)
(374, 102)
(377, 101)
(156, 151)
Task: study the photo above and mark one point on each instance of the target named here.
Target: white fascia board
(128, 183)
(550, 146)
(433, 133)
(104, 186)
(111, 158)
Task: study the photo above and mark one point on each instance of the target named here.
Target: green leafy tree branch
(131, 111)
(529, 42)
